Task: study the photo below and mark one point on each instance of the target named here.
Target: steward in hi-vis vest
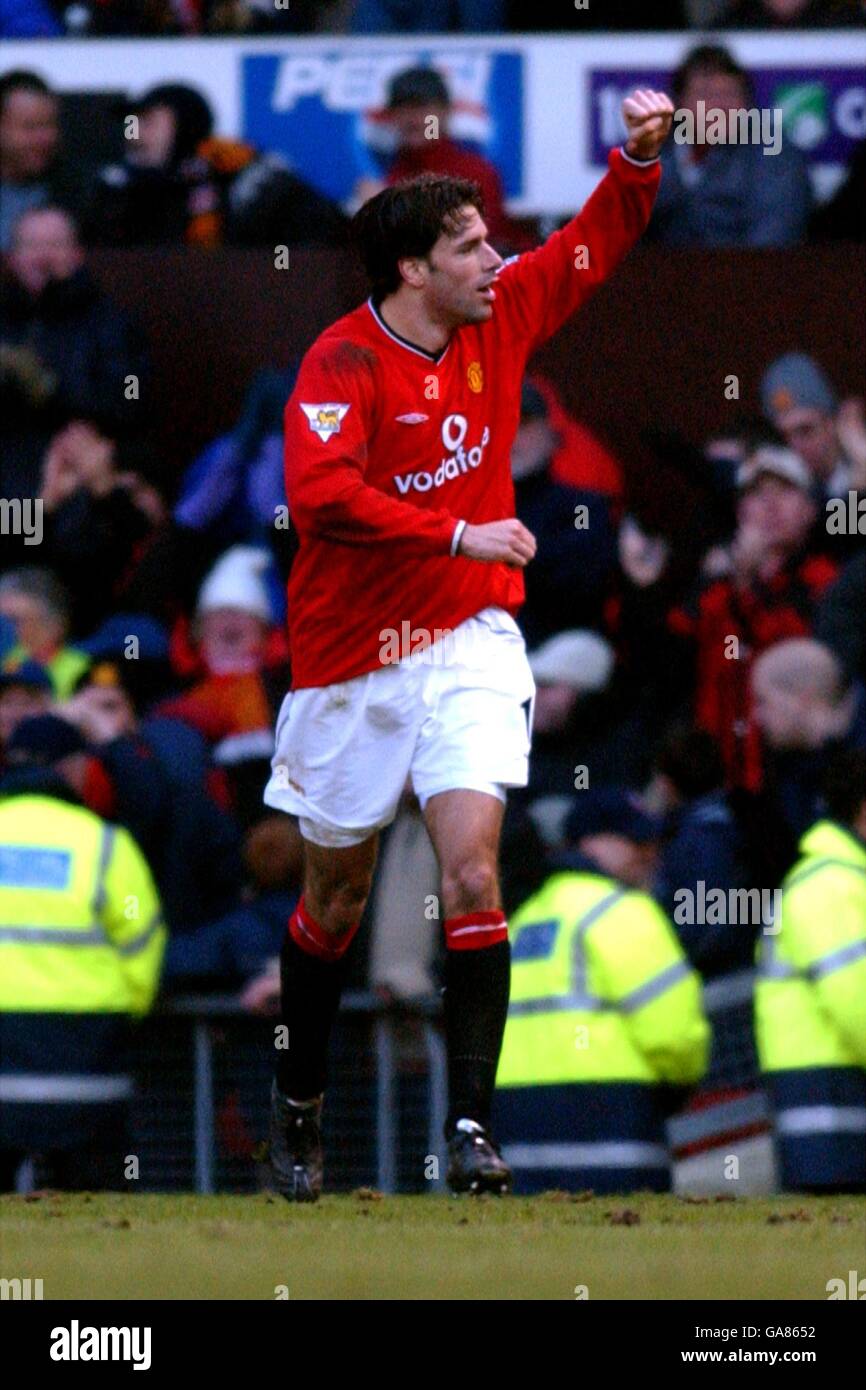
(810, 998)
(605, 1023)
(81, 944)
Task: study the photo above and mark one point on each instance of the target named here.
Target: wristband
(455, 539)
(632, 159)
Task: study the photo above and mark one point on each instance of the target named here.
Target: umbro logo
(413, 419)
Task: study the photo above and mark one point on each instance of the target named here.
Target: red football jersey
(388, 447)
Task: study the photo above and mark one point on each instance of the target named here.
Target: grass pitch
(366, 1246)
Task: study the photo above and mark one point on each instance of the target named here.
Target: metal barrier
(204, 1066)
(204, 1070)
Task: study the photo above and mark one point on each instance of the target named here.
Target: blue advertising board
(325, 110)
(823, 108)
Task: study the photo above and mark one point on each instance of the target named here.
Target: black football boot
(474, 1163)
(296, 1147)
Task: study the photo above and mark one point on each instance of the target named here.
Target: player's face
(462, 269)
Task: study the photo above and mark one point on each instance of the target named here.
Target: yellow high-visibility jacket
(601, 990)
(810, 998)
(80, 923)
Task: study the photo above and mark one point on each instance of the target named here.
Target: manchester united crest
(475, 377)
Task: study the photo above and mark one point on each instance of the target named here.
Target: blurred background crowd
(47, 18)
(143, 655)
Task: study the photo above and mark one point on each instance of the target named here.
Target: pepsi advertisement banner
(324, 111)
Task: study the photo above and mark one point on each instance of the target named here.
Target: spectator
(806, 712)
(243, 946)
(39, 607)
(242, 677)
(810, 999)
(118, 18)
(97, 516)
(33, 173)
(605, 1026)
(572, 672)
(731, 194)
(828, 435)
(67, 878)
(580, 459)
(182, 184)
(569, 579)
(28, 19)
(436, 17)
(262, 17)
(56, 322)
(703, 843)
(781, 15)
(770, 592)
(23, 694)
(839, 619)
(191, 840)
(527, 16)
(419, 110)
(234, 489)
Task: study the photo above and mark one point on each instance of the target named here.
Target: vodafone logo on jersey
(460, 460)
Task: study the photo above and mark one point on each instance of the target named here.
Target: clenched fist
(648, 116)
(505, 542)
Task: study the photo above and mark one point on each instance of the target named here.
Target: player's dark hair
(21, 80)
(845, 785)
(709, 58)
(407, 220)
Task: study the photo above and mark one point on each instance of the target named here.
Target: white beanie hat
(579, 657)
(236, 582)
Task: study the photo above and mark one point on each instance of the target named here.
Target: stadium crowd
(113, 18)
(142, 647)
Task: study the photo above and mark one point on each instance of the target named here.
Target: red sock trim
(475, 930)
(309, 936)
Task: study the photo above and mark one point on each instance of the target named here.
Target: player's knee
(470, 886)
(338, 907)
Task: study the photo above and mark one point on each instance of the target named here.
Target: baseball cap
(578, 657)
(795, 380)
(418, 87)
(780, 463)
(612, 811)
(43, 740)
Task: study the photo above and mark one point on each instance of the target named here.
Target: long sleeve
(541, 289)
(329, 418)
(824, 920)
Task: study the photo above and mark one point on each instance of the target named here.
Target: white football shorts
(457, 715)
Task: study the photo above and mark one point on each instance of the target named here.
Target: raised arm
(540, 290)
